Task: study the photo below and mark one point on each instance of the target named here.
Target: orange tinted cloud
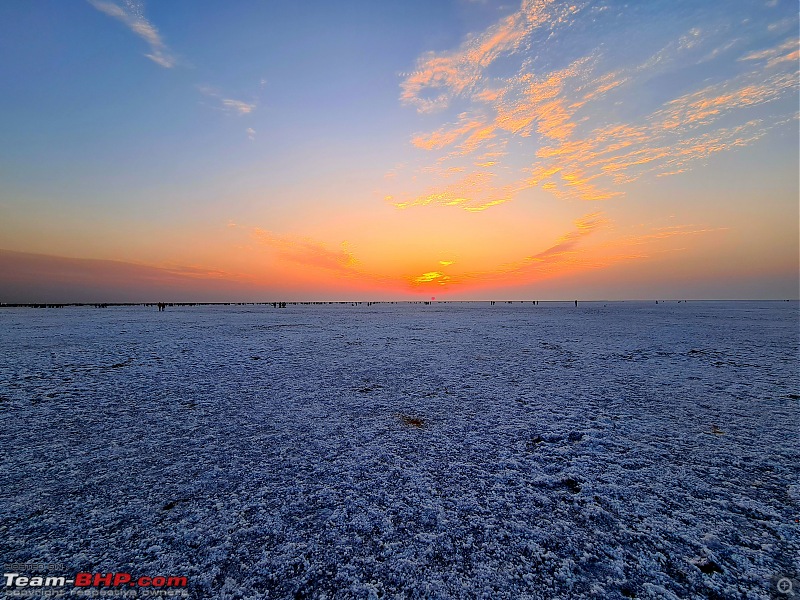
(446, 135)
(438, 78)
(709, 104)
(563, 122)
(307, 252)
(475, 191)
(787, 52)
(436, 276)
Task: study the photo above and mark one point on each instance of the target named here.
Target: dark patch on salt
(575, 436)
(532, 443)
(412, 421)
(172, 504)
(707, 566)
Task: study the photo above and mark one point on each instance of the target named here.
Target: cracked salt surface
(407, 451)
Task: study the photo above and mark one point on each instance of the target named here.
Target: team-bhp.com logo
(95, 580)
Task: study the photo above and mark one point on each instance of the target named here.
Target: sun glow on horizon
(525, 151)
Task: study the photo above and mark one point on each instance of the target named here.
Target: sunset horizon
(36, 279)
(460, 150)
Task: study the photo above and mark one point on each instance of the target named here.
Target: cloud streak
(229, 106)
(307, 252)
(131, 14)
(237, 106)
(785, 53)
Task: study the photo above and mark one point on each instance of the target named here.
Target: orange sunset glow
(469, 151)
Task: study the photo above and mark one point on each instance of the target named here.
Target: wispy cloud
(475, 191)
(307, 252)
(439, 78)
(787, 52)
(237, 106)
(582, 130)
(662, 233)
(131, 13)
(227, 105)
(668, 141)
(431, 276)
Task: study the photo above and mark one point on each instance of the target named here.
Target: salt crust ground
(408, 451)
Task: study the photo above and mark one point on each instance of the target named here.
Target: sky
(394, 150)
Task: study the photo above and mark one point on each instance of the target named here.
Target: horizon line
(371, 302)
